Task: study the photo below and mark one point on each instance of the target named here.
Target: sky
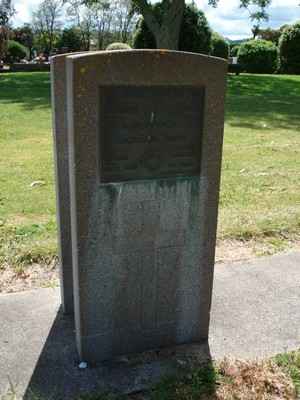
(227, 18)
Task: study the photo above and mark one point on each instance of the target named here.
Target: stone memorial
(144, 132)
(62, 181)
(61, 162)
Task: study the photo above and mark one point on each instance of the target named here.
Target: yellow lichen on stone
(163, 52)
(82, 70)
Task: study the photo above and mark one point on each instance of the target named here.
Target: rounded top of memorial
(156, 53)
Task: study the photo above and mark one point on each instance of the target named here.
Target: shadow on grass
(32, 89)
(274, 99)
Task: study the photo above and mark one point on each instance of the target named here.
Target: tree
(16, 51)
(24, 35)
(260, 56)
(234, 51)
(272, 35)
(82, 16)
(195, 32)
(7, 11)
(289, 46)
(71, 39)
(220, 46)
(46, 21)
(166, 30)
(103, 12)
(143, 37)
(255, 31)
(194, 36)
(125, 19)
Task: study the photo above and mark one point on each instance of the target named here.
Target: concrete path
(255, 313)
(256, 307)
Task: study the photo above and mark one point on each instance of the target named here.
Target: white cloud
(24, 10)
(227, 18)
(285, 3)
(234, 22)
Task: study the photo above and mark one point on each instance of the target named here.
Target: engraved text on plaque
(150, 132)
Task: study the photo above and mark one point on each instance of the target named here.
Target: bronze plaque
(150, 132)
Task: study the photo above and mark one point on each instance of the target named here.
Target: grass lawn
(261, 159)
(259, 199)
(260, 182)
(27, 213)
(267, 379)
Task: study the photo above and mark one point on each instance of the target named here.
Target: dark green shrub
(234, 51)
(143, 37)
(195, 32)
(16, 50)
(71, 39)
(220, 46)
(118, 46)
(260, 56)
(289, 46)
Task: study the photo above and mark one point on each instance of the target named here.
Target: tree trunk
(167, 32)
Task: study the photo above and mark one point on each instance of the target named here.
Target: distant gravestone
(144, 146)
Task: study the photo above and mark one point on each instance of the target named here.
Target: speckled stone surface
(143, 250)
(61, 162)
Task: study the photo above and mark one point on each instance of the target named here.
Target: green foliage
(24, 35)
(70, 38)
(4, 36)
(195, 33)
(16, 50)
(118, 46)
(103, 395)
(27, 213)
(290, 362)
(260, 168)
(18, 246)
(234, 51)
(10, 391)
(220, 46)
(143, 37)
(260, 56)
(193, 384)
(272, 35)
(289, 46)
(7, 11)
(46, 22)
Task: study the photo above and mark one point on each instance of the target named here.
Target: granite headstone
(62, 182)
(145, 132)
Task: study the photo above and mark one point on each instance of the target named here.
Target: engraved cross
(148, 241)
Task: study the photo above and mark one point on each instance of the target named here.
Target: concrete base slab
(38, 353)
(255, 313)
